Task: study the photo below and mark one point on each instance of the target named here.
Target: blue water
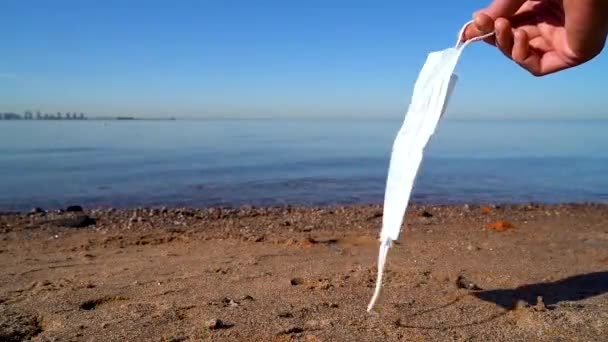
(299, 162)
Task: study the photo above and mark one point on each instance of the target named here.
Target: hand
(544, 36)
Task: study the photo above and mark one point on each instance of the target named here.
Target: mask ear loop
(461, 45)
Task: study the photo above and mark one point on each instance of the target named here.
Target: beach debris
(464, 283)
(74, 209)
(596, 242)
(500, 225)
(214, 324)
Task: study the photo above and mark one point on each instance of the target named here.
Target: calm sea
(299, 162)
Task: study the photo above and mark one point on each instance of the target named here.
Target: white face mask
(432, 91)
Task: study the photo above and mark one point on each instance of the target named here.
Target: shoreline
(237, 207)
(475, 273)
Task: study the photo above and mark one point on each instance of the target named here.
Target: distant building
(11, 116)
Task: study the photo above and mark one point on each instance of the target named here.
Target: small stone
(247, 297)
(500, 226)
(297, 281)
(37, 210)
(285, 314)
(463, 283)
(540, 304)
(426, 214)
(214, 324)
(229, 302)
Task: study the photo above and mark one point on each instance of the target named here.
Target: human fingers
(482, 24)
(531, 60)
(524, 55)
(504, 36)
(484, 19)
(521, 47)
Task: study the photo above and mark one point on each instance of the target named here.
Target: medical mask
(432, 91)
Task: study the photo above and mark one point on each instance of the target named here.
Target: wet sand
(458, 273)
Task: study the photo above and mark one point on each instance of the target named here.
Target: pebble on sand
(217, 324)
(464, 283)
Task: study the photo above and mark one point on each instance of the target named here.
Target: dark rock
(297, 281)
(79, 221)
(74, 209)
(217, 324)
(426, 214)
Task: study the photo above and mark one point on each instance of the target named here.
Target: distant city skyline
(243, 59)
(30, 115)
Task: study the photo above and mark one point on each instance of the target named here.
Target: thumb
(502, 8)
(484, 19)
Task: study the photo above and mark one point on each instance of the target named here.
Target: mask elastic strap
(384, 246)
(461, 45)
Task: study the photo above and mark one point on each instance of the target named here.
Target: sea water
(52, 164)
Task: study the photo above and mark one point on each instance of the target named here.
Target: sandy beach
(458, 273)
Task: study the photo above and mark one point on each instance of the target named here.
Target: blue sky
(254, 58)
